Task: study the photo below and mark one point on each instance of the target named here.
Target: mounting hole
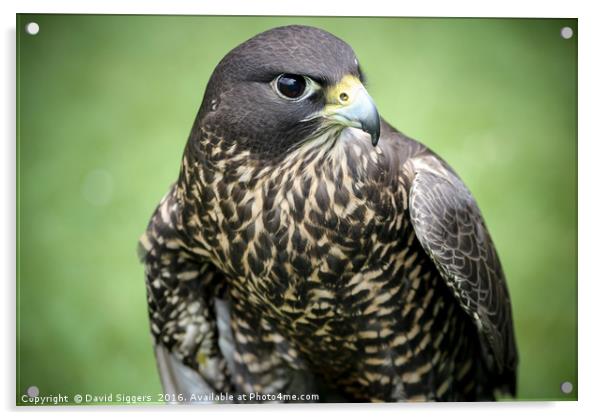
(32, 28)
(33, 391)
(566, 33)
(566, 387)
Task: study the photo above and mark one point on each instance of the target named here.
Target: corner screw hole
(33, 391)
(32, 28)
(566, 387)
(566, 33)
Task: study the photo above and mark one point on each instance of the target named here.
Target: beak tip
(373, 128)
(375, 137)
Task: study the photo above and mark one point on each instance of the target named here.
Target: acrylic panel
(105, 106)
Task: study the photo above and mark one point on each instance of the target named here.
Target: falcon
(309, 249)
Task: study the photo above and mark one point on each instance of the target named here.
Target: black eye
(291, 85)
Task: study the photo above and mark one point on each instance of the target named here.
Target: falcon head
(285, 87)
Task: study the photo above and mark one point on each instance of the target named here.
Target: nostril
(344, 97)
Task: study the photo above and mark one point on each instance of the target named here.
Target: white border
(508, 8)
(590, 293)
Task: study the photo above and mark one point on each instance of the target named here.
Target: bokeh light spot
(97, 188)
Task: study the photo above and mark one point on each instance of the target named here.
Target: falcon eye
(291, 85)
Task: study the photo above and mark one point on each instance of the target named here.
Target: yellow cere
(344, 92)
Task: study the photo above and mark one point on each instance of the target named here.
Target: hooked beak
(349, 104)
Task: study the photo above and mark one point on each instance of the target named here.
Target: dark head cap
(248, 98)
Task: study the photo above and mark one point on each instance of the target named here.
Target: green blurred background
(105, 105)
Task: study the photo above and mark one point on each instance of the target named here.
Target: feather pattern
(336, 270)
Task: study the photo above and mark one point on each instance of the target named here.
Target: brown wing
(185, 313)
(449, 225)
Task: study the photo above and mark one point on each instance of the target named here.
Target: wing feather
(189, 323)
(450, 227)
